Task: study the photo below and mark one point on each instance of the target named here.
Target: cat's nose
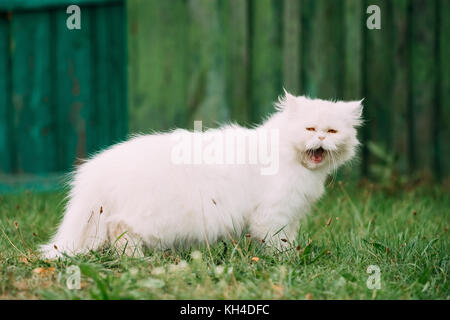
(321, 138)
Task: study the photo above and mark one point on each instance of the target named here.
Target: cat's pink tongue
(317, 156)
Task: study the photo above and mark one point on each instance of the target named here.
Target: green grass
(404, 233)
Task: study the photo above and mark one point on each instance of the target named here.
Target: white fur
(145, 199)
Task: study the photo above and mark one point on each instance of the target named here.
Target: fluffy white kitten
(133, 194)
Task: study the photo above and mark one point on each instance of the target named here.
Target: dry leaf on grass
(24, 260)
(278, 289)
(44, 271)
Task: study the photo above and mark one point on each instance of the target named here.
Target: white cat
(134, 194)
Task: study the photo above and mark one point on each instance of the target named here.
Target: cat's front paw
(278, 243)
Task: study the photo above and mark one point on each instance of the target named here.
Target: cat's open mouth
(317, 155)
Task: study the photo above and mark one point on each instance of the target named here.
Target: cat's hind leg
(123, 239)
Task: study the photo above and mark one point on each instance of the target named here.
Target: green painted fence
(62, 92)
(220, 60)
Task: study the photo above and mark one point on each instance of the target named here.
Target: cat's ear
(356, 110)
(288, 102)
(284, 101)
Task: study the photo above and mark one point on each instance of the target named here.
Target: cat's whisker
(335, 169)
(332, 167)
(333, 163)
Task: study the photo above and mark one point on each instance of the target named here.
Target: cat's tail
(82, 228)
(80, 231)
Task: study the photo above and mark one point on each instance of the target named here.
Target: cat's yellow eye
(311, 129)
(332, 131)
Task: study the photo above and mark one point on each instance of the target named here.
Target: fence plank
(206, 64)
(5, 98)
(353, 41)
(379, 80)
(73, 94)
(423, 82)
(237, 67)
(353, 67)
(265, 56)
(117, 74)
(33, 118)
(324, 48)
(102, 111)
(401, 94)
(291, 45)
(444, 90)
(47, 4)
(157, 81)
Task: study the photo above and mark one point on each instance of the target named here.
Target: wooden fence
(220, 60)
(62, 92)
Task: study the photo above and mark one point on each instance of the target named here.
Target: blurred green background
(143, 65)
